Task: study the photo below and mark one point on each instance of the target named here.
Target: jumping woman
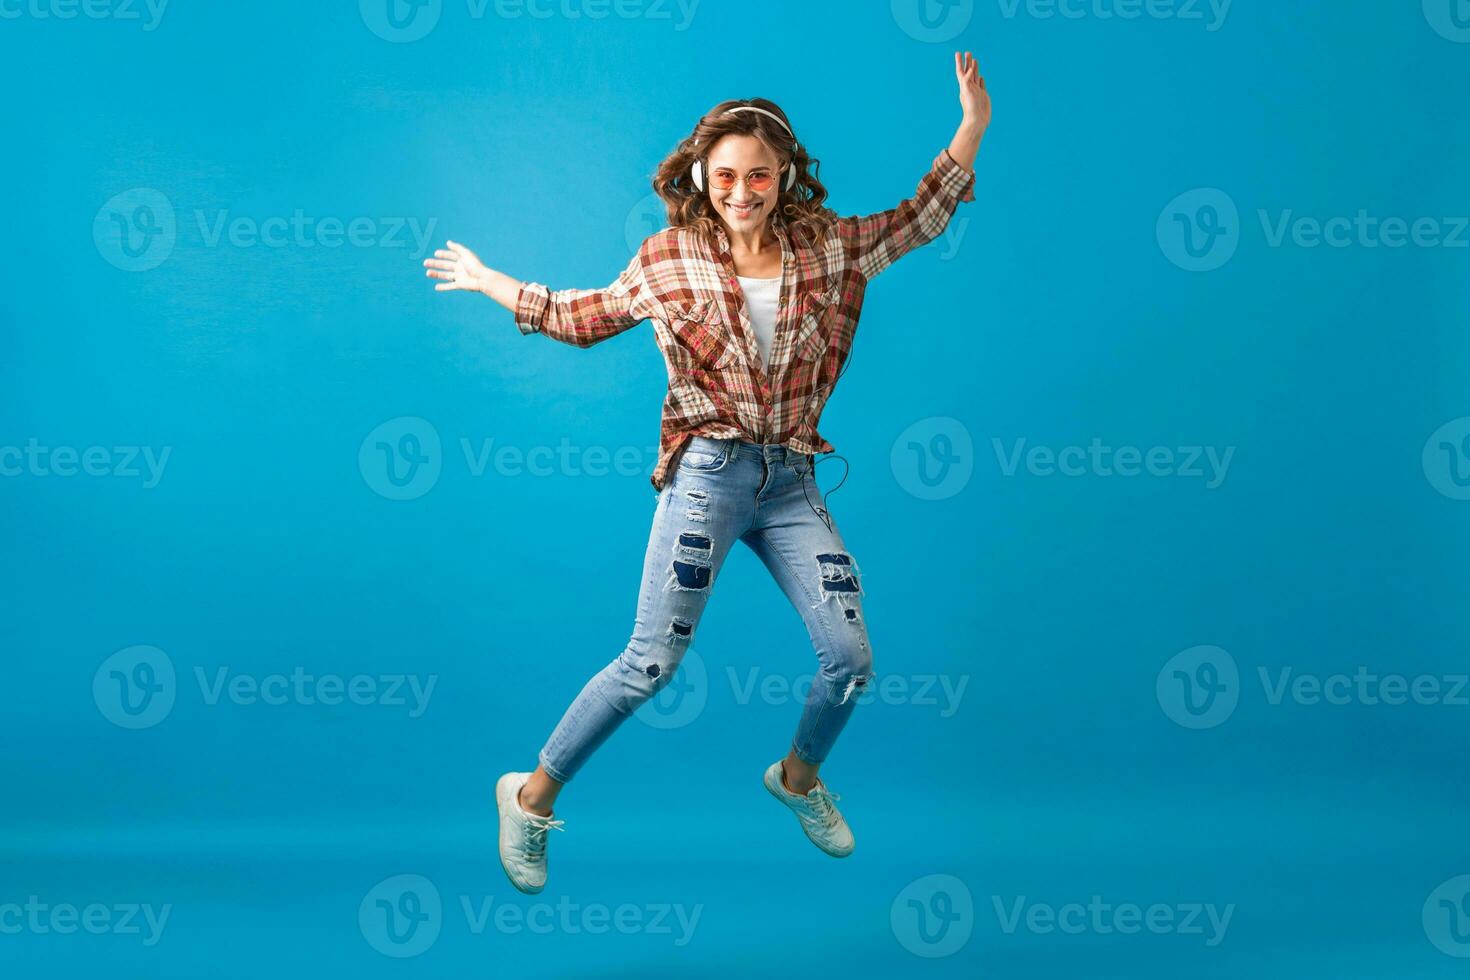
(754, 293)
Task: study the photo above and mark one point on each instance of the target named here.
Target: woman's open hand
(458, 267)
(974, 100)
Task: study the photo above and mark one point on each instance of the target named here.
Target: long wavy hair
(799, 210)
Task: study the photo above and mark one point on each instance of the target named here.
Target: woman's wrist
(966, 143)
(503, 289)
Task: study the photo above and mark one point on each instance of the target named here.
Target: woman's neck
(752, 243)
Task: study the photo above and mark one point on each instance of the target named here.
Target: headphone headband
(764, 112)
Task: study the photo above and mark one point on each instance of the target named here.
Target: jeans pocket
(704, 459)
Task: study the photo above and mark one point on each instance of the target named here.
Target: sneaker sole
(765, 781)
(502, 800)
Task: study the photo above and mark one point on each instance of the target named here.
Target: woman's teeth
(742, 211)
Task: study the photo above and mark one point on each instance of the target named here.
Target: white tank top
(761, 297)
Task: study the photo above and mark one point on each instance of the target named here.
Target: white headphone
(696, 170)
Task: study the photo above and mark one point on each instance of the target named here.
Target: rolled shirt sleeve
(958, 180)
(876, 241)
(583, 317)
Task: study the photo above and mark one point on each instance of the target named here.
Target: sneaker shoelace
(819, 801)
(533, 835)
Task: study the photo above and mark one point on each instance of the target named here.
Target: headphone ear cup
(790, 177)
(696, 174)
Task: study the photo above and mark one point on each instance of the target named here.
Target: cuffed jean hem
(551, 770)
(811, 728)
(803, 756)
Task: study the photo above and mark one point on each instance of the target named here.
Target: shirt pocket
(815, 328)
(699, 328)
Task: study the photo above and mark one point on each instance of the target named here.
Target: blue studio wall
(1159, 477)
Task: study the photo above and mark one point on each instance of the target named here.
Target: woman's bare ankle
(531, 806)
(538, 794)
(798, 776)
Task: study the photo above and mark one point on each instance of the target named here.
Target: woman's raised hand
(974, 100)
(458, 267)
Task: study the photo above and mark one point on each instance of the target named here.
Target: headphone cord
(823, 514)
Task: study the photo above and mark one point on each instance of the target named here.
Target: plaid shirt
(718, 386)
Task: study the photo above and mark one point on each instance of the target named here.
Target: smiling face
(741, 157)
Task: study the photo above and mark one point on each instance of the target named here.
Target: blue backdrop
(1159, 469)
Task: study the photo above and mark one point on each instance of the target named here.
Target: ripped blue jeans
(721, 491)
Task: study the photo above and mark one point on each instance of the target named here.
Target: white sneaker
(522, 835)
(819, 818)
